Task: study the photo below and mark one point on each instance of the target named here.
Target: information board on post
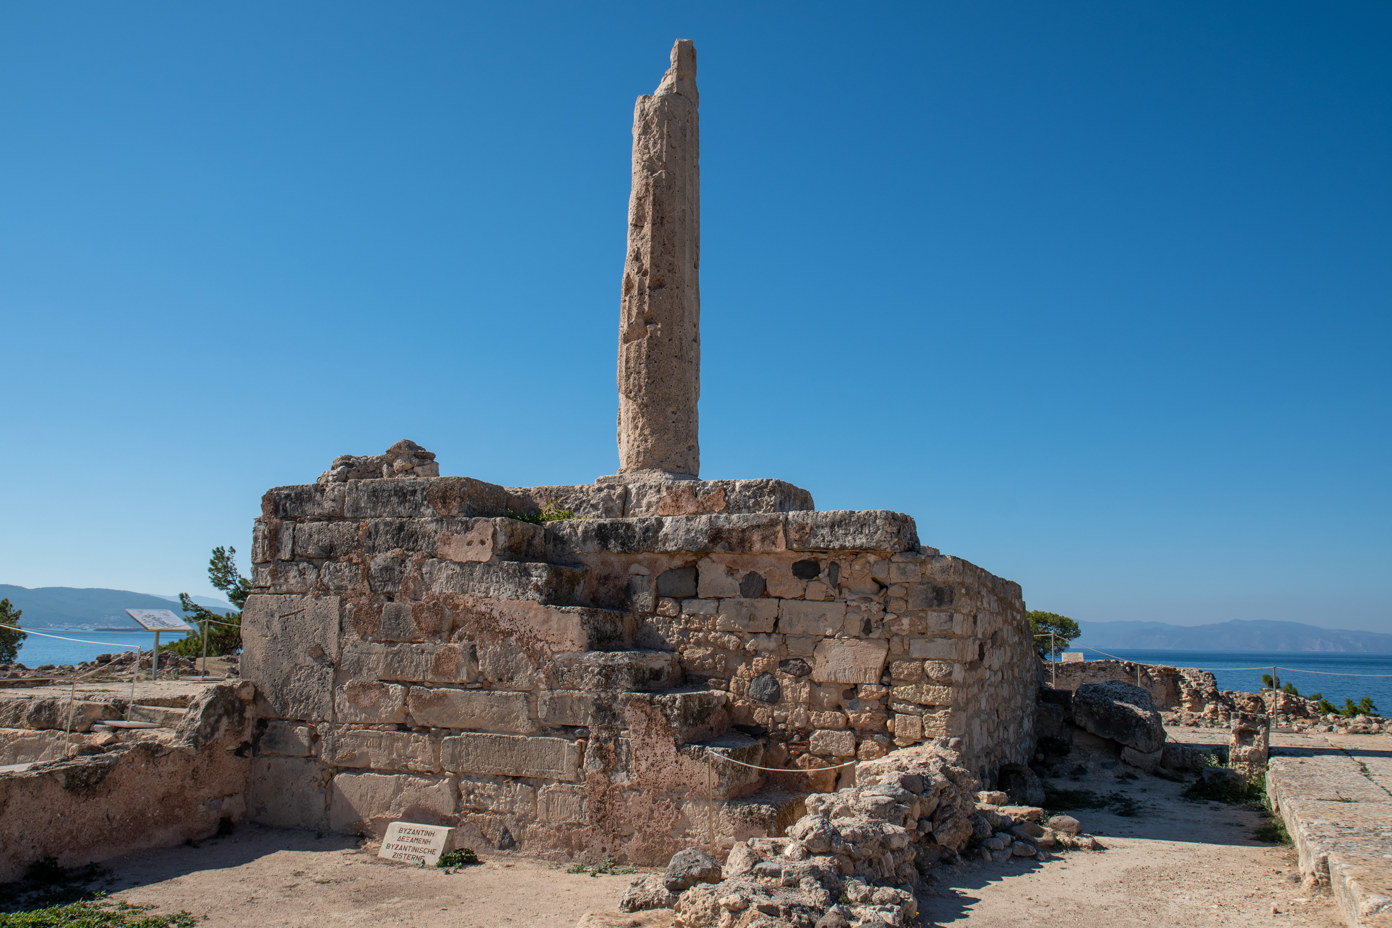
(159, 620)
(415, 844)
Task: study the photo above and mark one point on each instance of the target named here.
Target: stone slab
(1337, 807)
(289, 644)
(411, 843)
(511, 756)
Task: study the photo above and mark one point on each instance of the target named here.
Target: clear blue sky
(1098, 292)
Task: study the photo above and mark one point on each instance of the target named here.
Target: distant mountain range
(70, 607)
(1259, 635)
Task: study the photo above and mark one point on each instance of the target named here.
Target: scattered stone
(1119, 712)
(647, 892)
(689, 867)
(1065, 824)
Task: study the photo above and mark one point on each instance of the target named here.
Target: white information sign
(415, 844)
(159, 620)
(1074, 657)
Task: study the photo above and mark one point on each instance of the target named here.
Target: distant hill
(1259, 635)
(66, 606)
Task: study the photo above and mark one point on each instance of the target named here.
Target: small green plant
(1231, 790)
(549, 512)
(453, 861)
(97, 913)
(606, 867)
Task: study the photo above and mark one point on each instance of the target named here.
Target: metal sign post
(157, 620)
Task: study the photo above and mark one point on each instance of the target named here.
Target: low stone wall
(1170, 688)
(130, 797)
(585, 686)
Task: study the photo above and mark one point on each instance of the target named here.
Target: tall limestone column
(660, 321)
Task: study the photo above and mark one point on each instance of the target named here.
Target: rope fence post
(1053, 662)
(67, 730)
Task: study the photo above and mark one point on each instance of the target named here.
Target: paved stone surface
(1335, 795)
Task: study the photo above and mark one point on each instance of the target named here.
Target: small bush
(451, 861)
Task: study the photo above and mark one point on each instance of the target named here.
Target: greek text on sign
(415, 844)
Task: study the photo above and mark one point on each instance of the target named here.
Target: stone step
(727, 758)
(614, 672)
(163, 716)
(115, 725)
(597, 629)
(695, 715)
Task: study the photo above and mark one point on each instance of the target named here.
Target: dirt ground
(269, 878)
(1168, 861)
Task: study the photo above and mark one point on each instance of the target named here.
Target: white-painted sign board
(415, 844)
(159, 620)
(1073, 657)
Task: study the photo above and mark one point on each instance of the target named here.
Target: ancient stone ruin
(622, 668)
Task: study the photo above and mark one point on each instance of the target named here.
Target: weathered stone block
(477, 710)
(288, 646)
(616, 671)
(368, 802)
(383, 535)
(511, 756)
(869, 530)
(796, 617)
(505, 580)
(287, 739)
(287, 792)
(325, 539)
(716, 580)
(303, 502)
(370, 702)
(908, 728)
(922, 694)
(298, 577)
(384, 750)
(754, 616)
(559, 805)
(831, 743)
(678, 583)
(505, 666)
(501, 797)
(943, 649)
(849, 660)
(931, 595)
(565, 707)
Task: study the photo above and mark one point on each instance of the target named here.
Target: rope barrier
(851, 763)
(1329, 673)
(104, 644)
(1324, 673)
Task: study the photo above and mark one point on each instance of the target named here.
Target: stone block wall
(583, 686)
(132, 796)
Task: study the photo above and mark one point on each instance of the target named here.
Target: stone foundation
(583, 686)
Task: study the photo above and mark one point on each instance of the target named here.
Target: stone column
(660, 320)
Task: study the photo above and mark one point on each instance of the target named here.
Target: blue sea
(37, 650)
(1339, 676)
